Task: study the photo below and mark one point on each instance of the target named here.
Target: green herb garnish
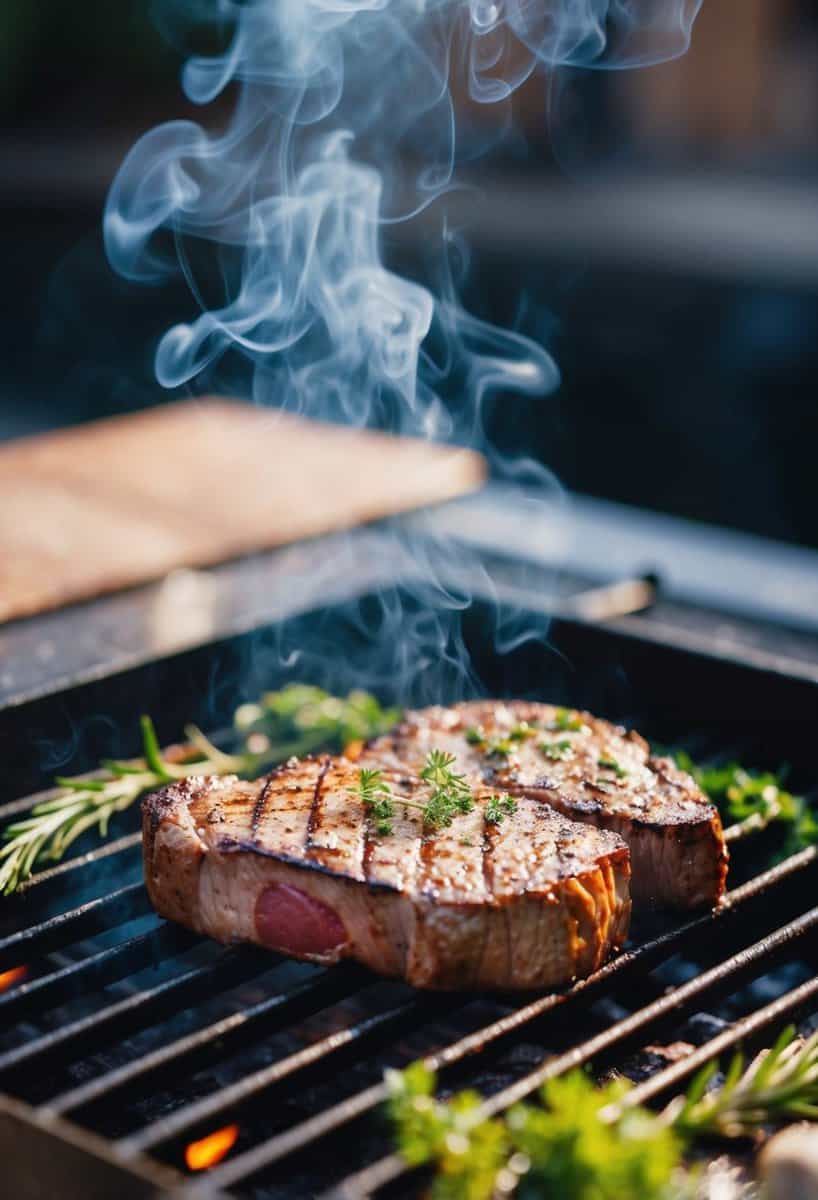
(752, 800)
(560, 1150)
(296, 720)
(498, 808)
(376, 797)
(779, 1085)
(502, 746)
(610, 764)
(566, 721)
(522, 731)
(591, 1143)
(450, 794)
(558, 750)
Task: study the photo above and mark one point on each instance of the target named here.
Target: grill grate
(129, 1037)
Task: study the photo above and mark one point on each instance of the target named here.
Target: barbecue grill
(133, 1053)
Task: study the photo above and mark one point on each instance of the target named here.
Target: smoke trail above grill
(342, 126)
(344, 123)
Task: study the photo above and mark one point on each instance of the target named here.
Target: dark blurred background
(658, 229)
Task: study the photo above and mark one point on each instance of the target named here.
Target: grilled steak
(294, 862)
(591, 771)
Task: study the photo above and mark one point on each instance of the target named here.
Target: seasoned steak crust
(293, 862)
(589, 770)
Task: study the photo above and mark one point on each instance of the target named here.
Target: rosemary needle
(296, 720)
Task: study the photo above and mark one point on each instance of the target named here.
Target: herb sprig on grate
(752, 800)
(589, 1142)
(296, 720)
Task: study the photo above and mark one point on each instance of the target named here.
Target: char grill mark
(314, 819)
(259, 807)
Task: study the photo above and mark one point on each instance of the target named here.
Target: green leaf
(150, 746)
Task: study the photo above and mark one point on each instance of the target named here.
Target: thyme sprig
(589, 1142)
(296, 720)
(376, 796)
(499, 807)
(450, 794)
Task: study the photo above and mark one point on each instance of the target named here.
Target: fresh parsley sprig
(376, 796)
(450, 795)
(296, 720)
(752, 800)
(589, 1142)
(560, 1149)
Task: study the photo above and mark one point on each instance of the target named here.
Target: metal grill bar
(98, 970)
(503, 1030)
(25, 804)
(415, 1011)
(786, 1007)
(40, 881)
(720, 979)
(95, 916)
(128, 1014)
(309, 997)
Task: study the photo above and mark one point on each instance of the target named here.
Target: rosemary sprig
(780, 1084)
(296, 720)
(589, 1142)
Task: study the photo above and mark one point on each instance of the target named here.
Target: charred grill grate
(128, 1039)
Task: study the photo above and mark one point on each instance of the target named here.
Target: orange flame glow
(9, 978)
(211, 1149)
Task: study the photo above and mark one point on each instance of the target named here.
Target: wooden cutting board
(125, 500)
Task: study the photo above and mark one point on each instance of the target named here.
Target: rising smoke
(342, 124)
